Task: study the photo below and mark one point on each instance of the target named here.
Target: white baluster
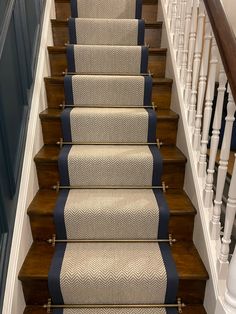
(173, 18)
(230, 294)
(228, 227)
(202, 85)
(181, 34)
(208, 192)
(177, 26)
(202, 164)
(169, 10)
(196, 65)
(183, 72)
(222, 169)
(192, 39)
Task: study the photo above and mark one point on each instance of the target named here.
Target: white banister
(196, 65)
(208, 109)
(192, 39)
(202, 85)
(222, 169)
(196, 70)
(228, 227)
(187, 26)
(208, 192)
(230, 294)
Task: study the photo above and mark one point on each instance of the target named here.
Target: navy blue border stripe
(54, 285)
(70, 58)
(57, 311)
(164, 214)
(63, 165)
(172, 275)
(157, 165)
(144, 60)
(65, 123)
(74, 8)
(138, 9)
(170, 311)
(152, 125)
(59, 219)
(141, 30)
(68, 90)
(147, 90)
(72, 31)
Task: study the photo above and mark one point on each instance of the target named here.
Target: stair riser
(36, 291)
(48, 175)
(166, 130)
(149, 11)
(58, 62)
(61, 34)
(43, 227)
(161, 94)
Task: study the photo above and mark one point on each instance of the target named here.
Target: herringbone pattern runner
(110, 171)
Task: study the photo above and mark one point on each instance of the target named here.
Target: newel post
(228, 227)
(230, 294)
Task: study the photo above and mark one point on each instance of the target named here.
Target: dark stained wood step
(41, 210)
(190, 309)
(191, 271)
(61, 33)
(48, 175)
(58, 61)
(149, 11)
(167, 123)
(161, 91)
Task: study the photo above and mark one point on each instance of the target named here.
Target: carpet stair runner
(110, 211)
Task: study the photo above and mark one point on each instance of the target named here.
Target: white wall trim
(22, 238)
(202, 240)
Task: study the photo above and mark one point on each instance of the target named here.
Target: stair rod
(157, 143)
(112, 74)
(170, 240)
(63, 106)
(58, 187)
(179, 305)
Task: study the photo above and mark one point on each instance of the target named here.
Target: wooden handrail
(225, 39)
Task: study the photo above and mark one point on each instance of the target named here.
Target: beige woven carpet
(111, 9)
(95, 59)
(121, 32)
(106, 90)
(115, 311)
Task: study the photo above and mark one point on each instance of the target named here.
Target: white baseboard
(22, 237)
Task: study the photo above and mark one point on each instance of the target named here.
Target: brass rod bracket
(154, 106)
(180, 305)
(159, 143)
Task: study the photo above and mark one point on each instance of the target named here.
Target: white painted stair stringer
(207, 248)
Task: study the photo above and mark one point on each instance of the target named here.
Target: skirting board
(22, 238)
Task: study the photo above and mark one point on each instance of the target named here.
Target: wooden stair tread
(62, 49)
(60, 80)
(49, 153)
(53, 113)
(64, 22)
(188, 262)
(45, 199)
(190, 309)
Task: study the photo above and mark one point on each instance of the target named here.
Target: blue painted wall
(20, 25)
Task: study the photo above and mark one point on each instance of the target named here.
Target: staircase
(34, 272)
